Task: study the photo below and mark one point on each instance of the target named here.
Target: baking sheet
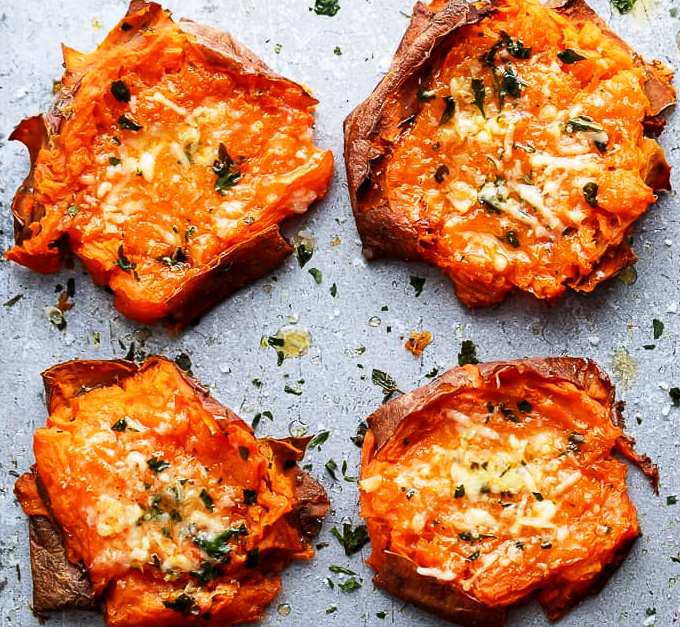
(353, 332)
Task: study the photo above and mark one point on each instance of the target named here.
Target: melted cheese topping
(496, 181)
(141, 478)
(497, 494)
(135, 183)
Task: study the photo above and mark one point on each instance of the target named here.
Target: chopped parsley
(191, 230)
(506, 81)
(249, 496)
(119, 425)
(326, 7)
(259, 416)
(479, 92)
(252, 558)
(128, 124)
(319, 439)
(459, 492)
(218, 547)
(583, 123)
(417, 283)
(304, 253)
(223, 167)
(207, 572)
(244, 453)
(337, 51)
(334, 290)
(385, 381)
(473, 556)
(674, 393)
(123, 262)
(671, 500)
(352, 539)
(114, 161)
(349, 585)
(72, 210)
(184, 362)
(184, 604)
(207, 500)
(331, 466)
(590, 193)
(468, 353)
(156, 464)
(449, 110)
(657, 327)
(120, 91)
(569, 56)
(316, 274)
(340, 570)
(623, 6)
(177, 259)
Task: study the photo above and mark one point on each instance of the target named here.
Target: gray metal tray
(225, 348)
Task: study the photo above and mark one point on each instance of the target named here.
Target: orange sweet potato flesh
(167, 161)
(463, 155)
(495, 483)
(139, 473)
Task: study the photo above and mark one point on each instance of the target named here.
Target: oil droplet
(628, 275)
(296, 341)
(623, 366)
(283, 609)
(374, 321)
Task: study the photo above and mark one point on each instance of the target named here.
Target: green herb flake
(289, 389)
(459, 492)
(326, 7)
(316, 273)
(128, 124)
(207, 500)
(304, 252)
(12, 301)
(657, 327)
(218, 547)
(674, 393)
(538, 496)
(350, 585)
(249, 496)
(73, 211)
(623, 6)
(223, 167)
(479, 92)
(417, 283)
(331, 467)
(590, 193)
(244, 453)
(352, 539)
(183, 604)
(449, 110)
(331, 610)
(340, 570)
(114, 161)
(337, 51)
(334, 290)
(259, 416)
(381, 615)
(524, 406)
(119, 425)
(569, 56)
(183, 361)
(473, 556)
(468, 353)
(123, 262)
(319, 439)
(671, 499)
(156, 464)
(385, 381)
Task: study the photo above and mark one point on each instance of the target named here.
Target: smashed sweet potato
(167, 161)
(152, 498)
(496, 482)
(511, 145)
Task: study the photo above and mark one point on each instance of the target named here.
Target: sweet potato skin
(60, 584)
(239, 265)
(398, 574)
(371, 128)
